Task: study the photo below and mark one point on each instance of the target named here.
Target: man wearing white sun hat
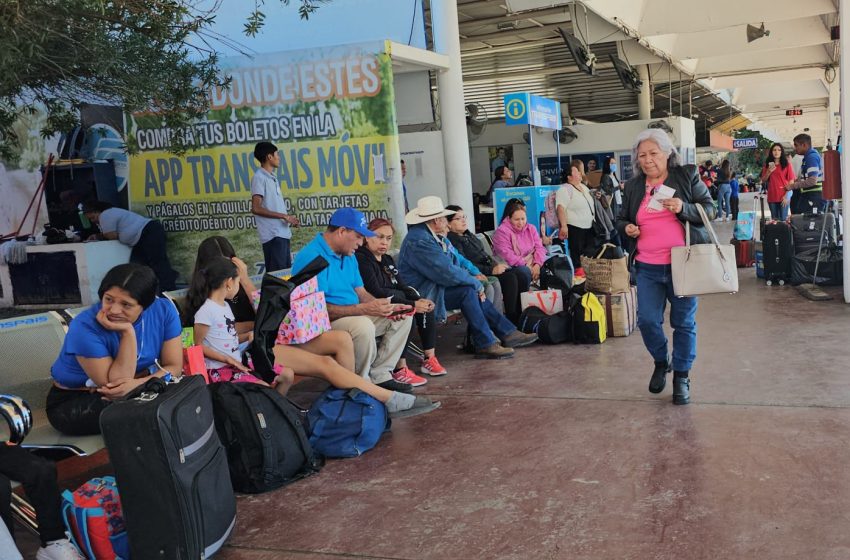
(430, 263)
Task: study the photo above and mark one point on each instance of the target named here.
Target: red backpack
(92, 515)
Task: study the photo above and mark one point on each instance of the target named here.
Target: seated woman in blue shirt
(112, 348)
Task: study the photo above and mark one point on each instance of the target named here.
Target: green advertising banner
(330, 111)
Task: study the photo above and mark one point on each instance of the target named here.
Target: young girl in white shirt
(215, 327)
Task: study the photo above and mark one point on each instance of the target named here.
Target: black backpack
(274, 305)
(550, 329)
(264, 436)
(557, 274)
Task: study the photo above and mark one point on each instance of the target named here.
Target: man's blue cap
(350, 218)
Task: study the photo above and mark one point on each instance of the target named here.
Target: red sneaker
(431, 366)
(406, 375)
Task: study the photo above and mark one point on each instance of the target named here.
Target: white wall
(592, 138)
(413, 98)
(422, 152)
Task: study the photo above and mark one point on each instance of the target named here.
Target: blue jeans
(724, 196)
(276, 254)
(485, 321)
(654, 290)
(777, 211)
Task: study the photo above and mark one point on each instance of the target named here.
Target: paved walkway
(562, 453)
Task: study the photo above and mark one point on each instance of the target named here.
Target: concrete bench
(29, 346)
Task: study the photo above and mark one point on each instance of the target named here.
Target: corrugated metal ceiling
(528, 55)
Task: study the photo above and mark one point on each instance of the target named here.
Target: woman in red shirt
(777, 172)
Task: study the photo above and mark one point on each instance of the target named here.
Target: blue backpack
(346, 423)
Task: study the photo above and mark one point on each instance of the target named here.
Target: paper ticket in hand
(663, 193)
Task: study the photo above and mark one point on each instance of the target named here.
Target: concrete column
(844, 21)
(452, 113)
(645, 95)
(833, 126)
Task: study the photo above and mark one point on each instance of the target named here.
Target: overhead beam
(805, 57)
(762, 78)
(660, 16)
(488, 77)
(732, 41)
(508, 17)
(552, 27)
(519, 46)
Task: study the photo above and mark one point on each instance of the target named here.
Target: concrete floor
(562, 453)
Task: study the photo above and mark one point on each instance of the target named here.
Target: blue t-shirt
(88, 339)
(812, 165)
(339, 279)
(735, 187)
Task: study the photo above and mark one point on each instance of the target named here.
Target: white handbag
(703, 269)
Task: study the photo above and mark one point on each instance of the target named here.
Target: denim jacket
(425, 265)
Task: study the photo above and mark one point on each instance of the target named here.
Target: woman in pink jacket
(518, 243)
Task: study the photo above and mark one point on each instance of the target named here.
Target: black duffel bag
(829, 273)
(550, 329)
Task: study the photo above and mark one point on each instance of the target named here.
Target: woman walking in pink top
(518, 243)
(651, 231)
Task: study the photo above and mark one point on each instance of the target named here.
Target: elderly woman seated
(430, 263)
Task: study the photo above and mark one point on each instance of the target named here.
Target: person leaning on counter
(144, 235)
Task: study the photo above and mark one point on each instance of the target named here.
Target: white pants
(371, 360)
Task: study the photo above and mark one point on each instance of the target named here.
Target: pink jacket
(513, 246)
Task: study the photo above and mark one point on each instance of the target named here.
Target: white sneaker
(59, 550)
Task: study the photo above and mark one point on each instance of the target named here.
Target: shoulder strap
(589, 205)
(294, 418)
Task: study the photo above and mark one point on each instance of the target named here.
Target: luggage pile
(583, 312)
(198, 444)
(791, 251)
(817, 259)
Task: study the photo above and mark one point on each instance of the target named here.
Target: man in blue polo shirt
(350, 307)
(808, 189)
(270, 209)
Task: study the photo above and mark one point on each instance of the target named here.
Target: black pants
(513, 283)
(579, 239)
(38, 477)
(733, 203)
(276, 254)
(76, 413)
(426, 326)
(150, 251)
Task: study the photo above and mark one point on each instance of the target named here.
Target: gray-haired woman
(650, 232)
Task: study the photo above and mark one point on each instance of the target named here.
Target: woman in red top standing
(777, 172)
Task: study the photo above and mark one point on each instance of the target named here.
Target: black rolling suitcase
(777, 252)
(171, 470)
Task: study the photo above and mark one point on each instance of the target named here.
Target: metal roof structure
(699, 60)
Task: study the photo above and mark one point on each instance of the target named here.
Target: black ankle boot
(659, 377)
(681, 390)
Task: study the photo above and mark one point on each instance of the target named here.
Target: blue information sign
(525, 108)
(745, 143)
